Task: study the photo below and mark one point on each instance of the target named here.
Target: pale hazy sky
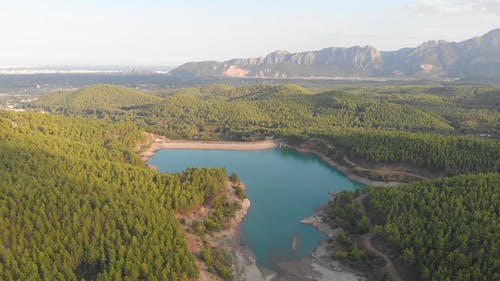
(155, 32)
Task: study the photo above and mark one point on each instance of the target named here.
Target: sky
(169, 33)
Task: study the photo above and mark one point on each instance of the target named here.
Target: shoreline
(345, 170)
(155, 143)
(354, 177)
(317, 264)
(245, 265)
(229, 239)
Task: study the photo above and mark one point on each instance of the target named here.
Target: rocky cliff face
(479, 56)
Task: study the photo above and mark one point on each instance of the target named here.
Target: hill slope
(96, 98)
(268, 109)
(219, 111)
(443, 229)
(76, 203)
(448, 228)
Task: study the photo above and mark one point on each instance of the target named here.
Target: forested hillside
(220, 111)
(76, 203)
(470, 109)
(97, 99)
(449, 155)
(366, 123)
(255, 110)
(448, 228)
(445, 229)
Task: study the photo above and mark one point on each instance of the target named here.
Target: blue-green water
(284, 187)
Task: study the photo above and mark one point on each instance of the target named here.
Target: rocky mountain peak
(474, 57)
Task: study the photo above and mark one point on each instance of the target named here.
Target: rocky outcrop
(479, 56)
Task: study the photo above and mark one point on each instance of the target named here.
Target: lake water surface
(284, 187)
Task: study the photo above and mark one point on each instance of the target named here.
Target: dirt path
(354, 171)
(383, 170)
(389, 265)
(367, 243)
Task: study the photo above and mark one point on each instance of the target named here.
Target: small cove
(284, 187)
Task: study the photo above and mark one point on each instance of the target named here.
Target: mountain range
(475, 57)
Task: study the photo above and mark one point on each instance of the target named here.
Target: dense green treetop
(96, 98)
(77, 182)
(85, 168)
(222, 111)
(449, 228)
(468, 108)
(76, 203)
(219, 111)
(442, 154)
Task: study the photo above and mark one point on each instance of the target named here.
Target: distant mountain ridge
(478, 56)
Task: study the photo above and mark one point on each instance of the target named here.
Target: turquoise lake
(284, 186)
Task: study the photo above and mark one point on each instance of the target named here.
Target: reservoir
(284, 187)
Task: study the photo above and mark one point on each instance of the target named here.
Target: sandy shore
(147, 149)
(317, 222)
(217, 145)
(229, 240)
(246, 267)
(346, 171)
(319, 265)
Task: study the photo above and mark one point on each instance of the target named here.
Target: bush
(234, 178)
(240, 193)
